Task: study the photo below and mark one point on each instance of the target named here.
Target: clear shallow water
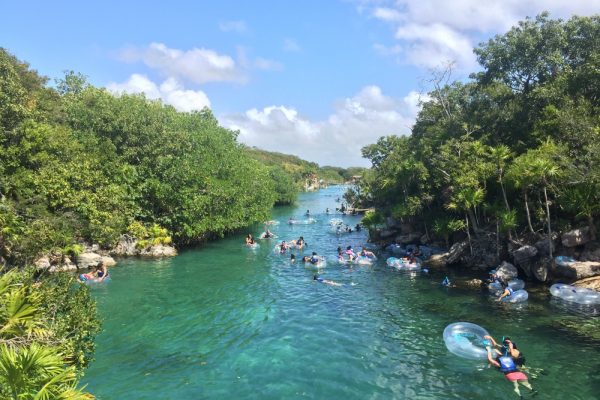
(224, 321)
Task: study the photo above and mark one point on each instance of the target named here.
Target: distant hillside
(303, 172)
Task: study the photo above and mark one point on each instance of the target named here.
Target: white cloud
(170, 91)
(337, 140)
(291, 46)
(197, 65)
(233, 26)
(436, 31)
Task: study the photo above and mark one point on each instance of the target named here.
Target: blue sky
(319, 79)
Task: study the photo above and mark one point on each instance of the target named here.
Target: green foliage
(372, 219)
(152, 235)
(524, 133)
(46, 336)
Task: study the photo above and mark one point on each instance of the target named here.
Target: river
(226, 322)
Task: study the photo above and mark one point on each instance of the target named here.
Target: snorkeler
(506, 364)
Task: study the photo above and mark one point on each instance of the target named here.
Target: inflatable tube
(514, 284)
(393, 262)
(575, 294)
(89, 279)
(364, 260)
(517, 297)
(465, 339)
(564, 261)
(321, 264)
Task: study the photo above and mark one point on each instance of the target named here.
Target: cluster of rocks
(531, 258)
(93, 255)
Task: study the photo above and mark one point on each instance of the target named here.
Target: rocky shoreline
(528, 256)
(93, 254)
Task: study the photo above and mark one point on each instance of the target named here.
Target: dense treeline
(79, 164)
(515, 149)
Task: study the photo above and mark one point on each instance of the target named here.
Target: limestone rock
(506, 271)
(87, 260)
(159, 251)
(591, 252)
(42, 263)
(524, 254)
(436, 261)
(576, 237)
(386, 233)
(63, 267)
(409, 238)
(539, 270)
(470, 283)
(108, 261)
(590, 283)
(457, 251)
(579, 269)
(543, 247)
(126, 246)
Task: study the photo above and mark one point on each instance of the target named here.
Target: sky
(319, 79)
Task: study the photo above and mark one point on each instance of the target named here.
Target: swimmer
(366, 253)
(506, 292)
(305, 259)
(357, 228)
(267, 234)
(350, 253)
(99, 274)
(508, 348)
(291, 221)
(283, 247)
(292, 259)
(307, 213)
(327, 210)
(507, 366)
(300, 243)
(314, 258)
(326, 281)
(446, 282)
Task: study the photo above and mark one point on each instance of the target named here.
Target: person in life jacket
(508, 347)
(506, 364)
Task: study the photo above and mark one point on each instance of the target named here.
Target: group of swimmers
(350, 256)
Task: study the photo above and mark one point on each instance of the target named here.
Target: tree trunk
(471, 216)
(548, 221)
(469, 233)
(592, 226)
(497, 238)
(527, 212)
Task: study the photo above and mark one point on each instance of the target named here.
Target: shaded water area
(224, 321)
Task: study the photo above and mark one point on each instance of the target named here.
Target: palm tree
(466, 200)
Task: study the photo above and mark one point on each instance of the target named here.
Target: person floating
(357, 228)
(326, 281)
(99, 274)
(283, 246)
(314, 259)
(506, 364)
(307, 213)
(327, 210)
(300, 243)
(350, 253)
(292, 258)
(267, 234)
(250, 240)
(446, 282)
(508, 347)
(506, 292)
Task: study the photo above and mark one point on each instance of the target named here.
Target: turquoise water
(226, 322)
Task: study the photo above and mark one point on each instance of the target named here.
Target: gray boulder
(543, 247)
(108, 261)
(42, 263)
(591, 252)
(159, 251)
(524, 255)
(409, 238)
(436, 261)
(88, 260)
(126, 246)
(386, 233)
(506, 271)
(457, 251)
(576, 237)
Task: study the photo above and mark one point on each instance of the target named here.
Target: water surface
(226, 322)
